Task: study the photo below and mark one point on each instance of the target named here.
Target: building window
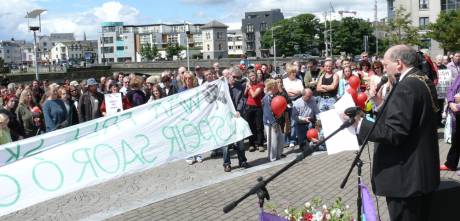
(220, 47)
(426, 43)
(208, 47)
(44, 44)
(423, 4)
(238, 47)
(448, 5)
(120, 48)
(263, 26)
(208, 35)
(108, 40)
(250, 37)
(7, 51)
(249, 28)
(107, 50)
(230, 47)
(423, 23)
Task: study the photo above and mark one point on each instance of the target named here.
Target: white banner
(173, 128)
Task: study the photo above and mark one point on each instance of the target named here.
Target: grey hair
(11, 86)
(235, 70)
(406, 54)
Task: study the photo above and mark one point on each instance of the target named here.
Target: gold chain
(424, 79)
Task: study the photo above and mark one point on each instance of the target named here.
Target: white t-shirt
(292, 85)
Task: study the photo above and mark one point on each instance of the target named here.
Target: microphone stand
(357, 161)
(260, 188)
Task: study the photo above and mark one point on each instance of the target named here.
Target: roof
(214, 24)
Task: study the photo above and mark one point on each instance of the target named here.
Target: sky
(85, 16)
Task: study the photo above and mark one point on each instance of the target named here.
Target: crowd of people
(309, 88)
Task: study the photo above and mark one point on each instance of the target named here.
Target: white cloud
(88, 21)
(202, 2)
(12, 13)
(83, 22)
(364, 8)
(201, 14)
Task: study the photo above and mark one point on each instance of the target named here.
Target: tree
(294, 35)
(149, 52)
(445, 30)
(400, 30)
(173, 49)
(348, 35)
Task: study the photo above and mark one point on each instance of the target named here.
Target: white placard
(113, 103)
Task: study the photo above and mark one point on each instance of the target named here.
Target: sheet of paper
(113, 103)
(342, 141)
(343, 103)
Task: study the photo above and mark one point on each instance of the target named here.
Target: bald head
(307, 93)
(399, 58)
(404, 53)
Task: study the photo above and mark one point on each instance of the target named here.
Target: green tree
(149, 52)
(400, 30)
(445, 30)
(348, 35)
(294, 35)
(173, 49)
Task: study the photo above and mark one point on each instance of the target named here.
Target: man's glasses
(237, 77)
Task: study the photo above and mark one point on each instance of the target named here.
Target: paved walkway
(177, 191)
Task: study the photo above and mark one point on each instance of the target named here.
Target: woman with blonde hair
(54, 110)
(25, 115)
(188, 81)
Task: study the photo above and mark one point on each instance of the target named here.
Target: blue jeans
(239, 148)
(326, 103)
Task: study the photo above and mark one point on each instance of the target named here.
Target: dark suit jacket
(85, 109)
(238, 98)
(406, 156)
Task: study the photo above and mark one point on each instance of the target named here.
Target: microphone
(351, 112)
(383, 80)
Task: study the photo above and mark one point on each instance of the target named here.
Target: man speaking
(406, 154)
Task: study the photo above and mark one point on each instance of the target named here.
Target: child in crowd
(314, 141)
(272, 126)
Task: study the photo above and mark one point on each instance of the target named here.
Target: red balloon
(312, 133)
(354, 82)
(353, 93)
(242, 67)
(278, 105)
(361, 100)
(257, 66)
(36, 109)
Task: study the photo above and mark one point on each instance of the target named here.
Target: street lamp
(274, 46)
(187, 33)
(35, 27)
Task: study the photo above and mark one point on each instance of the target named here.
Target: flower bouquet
(315, 211)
